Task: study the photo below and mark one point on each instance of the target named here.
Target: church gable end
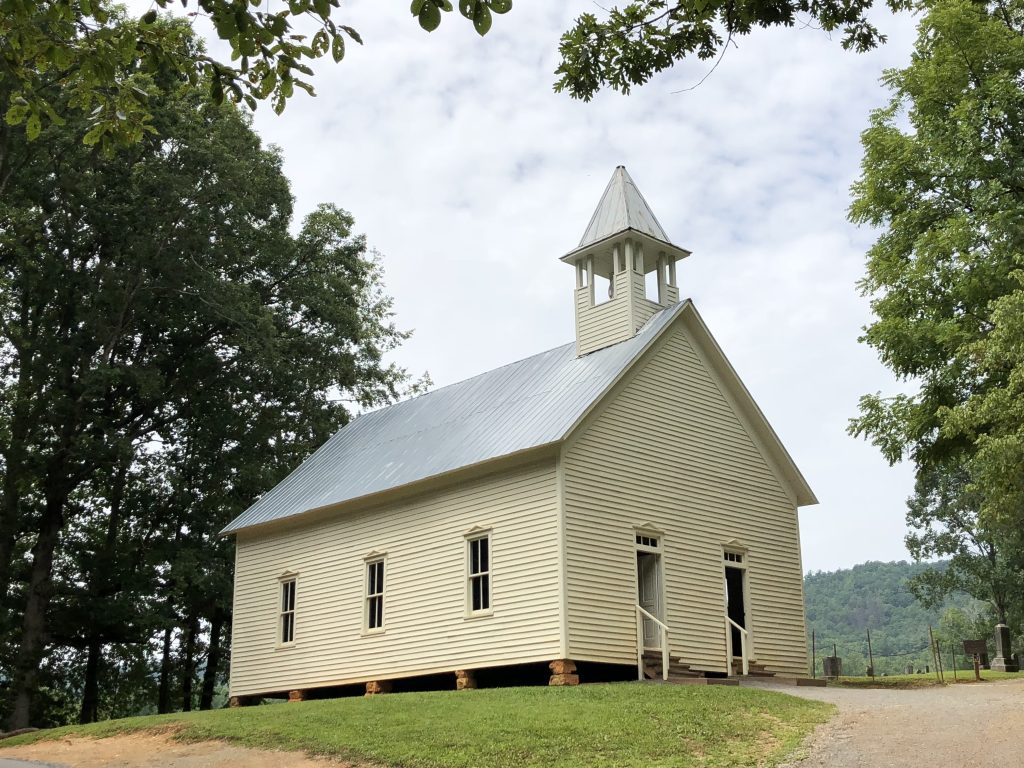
(667, 449)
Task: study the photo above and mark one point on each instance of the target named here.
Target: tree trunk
(33, 625)
(163, 700)
(14, 479)
(189, 671)
(212, 661)
(91, 691)
(99, 586)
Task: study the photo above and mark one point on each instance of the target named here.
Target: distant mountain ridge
(843, 604)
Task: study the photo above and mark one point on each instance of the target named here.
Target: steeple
(623, 243)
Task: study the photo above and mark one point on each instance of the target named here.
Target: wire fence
(874, 656)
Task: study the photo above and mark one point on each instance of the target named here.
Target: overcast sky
(472, 177)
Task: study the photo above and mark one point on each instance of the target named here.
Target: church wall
(671, 450)
(426, 625)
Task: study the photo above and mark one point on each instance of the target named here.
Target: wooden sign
(975, 647)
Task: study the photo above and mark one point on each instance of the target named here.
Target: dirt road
(958, 726)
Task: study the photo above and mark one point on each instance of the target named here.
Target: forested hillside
(842, 605)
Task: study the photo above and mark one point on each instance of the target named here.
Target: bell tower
(623, 244)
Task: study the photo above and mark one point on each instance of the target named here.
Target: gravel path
(151, 750)
(957, 726)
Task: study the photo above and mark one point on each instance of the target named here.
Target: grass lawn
(924, 680)
(611, 725)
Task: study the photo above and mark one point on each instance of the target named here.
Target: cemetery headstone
(1003, 662)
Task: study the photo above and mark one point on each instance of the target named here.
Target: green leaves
(482, 19)
(200, 362)
(428, 12)
(100, 50)
(940, 179)
(632, 43)
(429, 15)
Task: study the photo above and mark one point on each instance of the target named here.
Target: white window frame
(488, 575)
(369, 561)
(283, 612)
(647, 540)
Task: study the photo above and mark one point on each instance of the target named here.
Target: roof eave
(675, 250)
(379, 497)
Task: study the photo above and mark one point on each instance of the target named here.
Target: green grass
(923, 680)
(621, 724)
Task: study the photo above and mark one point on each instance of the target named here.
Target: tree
(81, 46)
(169, 349)
(631, 44)
(940, 177)
(943, 516)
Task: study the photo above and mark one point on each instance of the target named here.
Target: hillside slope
(842, 605)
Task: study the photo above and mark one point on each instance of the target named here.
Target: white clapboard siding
(617, 319)
(668, 450)
(426, 629)
(604, 323)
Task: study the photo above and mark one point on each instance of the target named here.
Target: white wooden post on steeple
(623, 243)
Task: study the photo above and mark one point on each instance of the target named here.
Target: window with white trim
(645, 540)
(375, 594)
(734, 557)
(287, 620)
(479, 574)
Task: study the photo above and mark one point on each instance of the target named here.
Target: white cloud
(473, 177)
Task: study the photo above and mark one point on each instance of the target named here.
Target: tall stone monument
(1003, 662)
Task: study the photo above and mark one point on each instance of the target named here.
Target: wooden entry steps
(679, 673)
(808, 682)
(753, 669)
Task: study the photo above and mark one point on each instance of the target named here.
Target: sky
(471, 177)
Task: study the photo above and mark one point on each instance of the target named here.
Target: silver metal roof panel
(622, 207)
(519, 406)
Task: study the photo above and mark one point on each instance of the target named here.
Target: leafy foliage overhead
(83, 46)
(628, 45)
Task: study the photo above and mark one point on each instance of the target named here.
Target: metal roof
(523, 405)
(622, 207)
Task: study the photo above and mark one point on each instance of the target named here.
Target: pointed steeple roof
(622, 207)
(623, 212)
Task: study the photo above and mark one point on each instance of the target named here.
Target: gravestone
(1003, 662)
(832, 665)
(908, 669)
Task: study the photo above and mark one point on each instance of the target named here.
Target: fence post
(871, 656)
(814, 655)
(952, 651)
(935, 659)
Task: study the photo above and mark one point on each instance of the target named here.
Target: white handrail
(743, 645)
(652, 617)
(641, 613)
